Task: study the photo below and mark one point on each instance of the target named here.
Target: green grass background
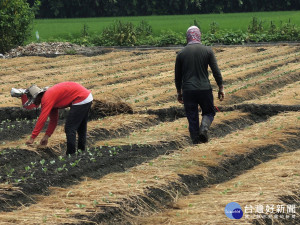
(66, 29)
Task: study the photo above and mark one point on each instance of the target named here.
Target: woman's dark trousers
(192, 99)
(77, 122)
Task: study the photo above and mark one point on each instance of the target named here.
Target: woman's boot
(204, 127)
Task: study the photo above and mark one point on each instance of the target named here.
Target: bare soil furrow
(261, 63)
(253, 56)
(209, 156)
(105, 159)
(280, 96)
(159, 198)
(261, 88)
(31, 64)
(140, 165)
(261, 77)
(264, 110)
(12, 128)
(266, 185)
(257, 70)
(135, 87)
(134, 74)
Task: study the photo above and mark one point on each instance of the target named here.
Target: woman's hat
(32, 93)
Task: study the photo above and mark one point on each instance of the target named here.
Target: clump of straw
(102, 108)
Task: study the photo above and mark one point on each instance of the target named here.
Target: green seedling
(42, 162)
(93, 160)
(61, 168)
(81, 206)
(32, 175)
(225, 191)
(105, 200)
(75, 163)
(18, 180)
(10, 172)
(61, 158)
(95, 203)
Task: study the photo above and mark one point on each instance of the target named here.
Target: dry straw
(102, 108)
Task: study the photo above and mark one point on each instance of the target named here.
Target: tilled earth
(156, 131)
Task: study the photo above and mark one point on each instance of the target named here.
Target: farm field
(67, 29)
(140, 166)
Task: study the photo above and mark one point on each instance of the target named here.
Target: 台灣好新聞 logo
(233, 211)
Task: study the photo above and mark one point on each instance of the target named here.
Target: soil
(54, 49)
(226, 171)
(107, 159)
(33, 172)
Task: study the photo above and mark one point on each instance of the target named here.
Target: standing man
(62, 95)
(193, 86)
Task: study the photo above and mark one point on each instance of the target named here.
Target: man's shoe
(17, 92)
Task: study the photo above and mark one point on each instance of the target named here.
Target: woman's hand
(44, 140)
(30, 141)
(221, 93)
